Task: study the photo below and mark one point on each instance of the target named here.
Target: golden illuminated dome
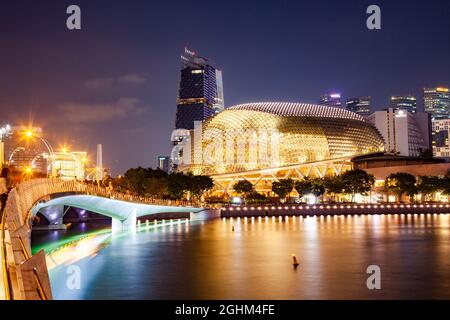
(265, 135)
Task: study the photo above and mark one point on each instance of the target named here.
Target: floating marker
(294, 261)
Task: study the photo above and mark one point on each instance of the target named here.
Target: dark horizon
(115, 81)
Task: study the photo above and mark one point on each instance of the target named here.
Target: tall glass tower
(331, 100)
(200, 94)
(360, 105)
(436, 101)
(404, 102)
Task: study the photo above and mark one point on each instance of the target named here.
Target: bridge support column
(129, 224)
(54, 215)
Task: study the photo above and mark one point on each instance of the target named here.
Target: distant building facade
(441, 146)
(404, 133)
(436, 101)
(163, 163)
(360, 105)
(67, 165)
(331, 100)
(404, 102)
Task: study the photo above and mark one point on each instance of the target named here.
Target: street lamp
(29, 134)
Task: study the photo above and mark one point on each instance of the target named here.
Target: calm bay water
(207, 260)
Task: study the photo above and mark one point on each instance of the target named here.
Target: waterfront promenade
(333, 210)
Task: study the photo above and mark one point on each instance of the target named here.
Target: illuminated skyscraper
(331, 100)
(441, 143)
(436, 101)
(404, 102)
(361, 105)
(200, 94)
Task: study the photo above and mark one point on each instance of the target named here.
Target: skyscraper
(441, 143)
(163, 163)
(404, 102)
(436, 101)
(200, 93)
(331, 100)
(360, 105)
(404, 133)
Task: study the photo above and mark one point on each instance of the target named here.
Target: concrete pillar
(54, 215)
(129, 224)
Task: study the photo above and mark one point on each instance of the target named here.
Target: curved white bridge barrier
(25, 276)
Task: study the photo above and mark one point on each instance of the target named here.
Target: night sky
(115, 81)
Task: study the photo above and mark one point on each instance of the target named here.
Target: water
(207, 260)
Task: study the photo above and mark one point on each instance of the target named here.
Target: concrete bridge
(25, 276)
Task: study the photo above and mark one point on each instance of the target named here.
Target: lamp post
(4, 131)
(29, 134)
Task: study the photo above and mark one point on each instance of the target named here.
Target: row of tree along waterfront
(348, 185)
(158, 184)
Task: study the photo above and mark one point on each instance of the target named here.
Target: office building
(200, 94)
(404, 133)
(436, 101)
(163, 163)
(360, 105)
(404, 102)
(441, 146)
(331, 100)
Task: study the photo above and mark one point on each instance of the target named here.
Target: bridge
(25, 276)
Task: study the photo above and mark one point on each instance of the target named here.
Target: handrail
(6, 280)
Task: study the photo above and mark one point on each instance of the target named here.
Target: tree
(156, 187)
(357, 181)
(401, 183)
(303, 187)
(177, 185)
(318, 188)
(255, 197)
(243, 187)
(141, 180)
(429, 185)
(198, 185)
(283, 187)
(135, 180)
(334, 185)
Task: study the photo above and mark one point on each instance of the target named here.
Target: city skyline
(118, 82)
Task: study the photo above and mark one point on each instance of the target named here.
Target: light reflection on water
(208, 260)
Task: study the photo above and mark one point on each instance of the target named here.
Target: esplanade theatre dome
(264, 135)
